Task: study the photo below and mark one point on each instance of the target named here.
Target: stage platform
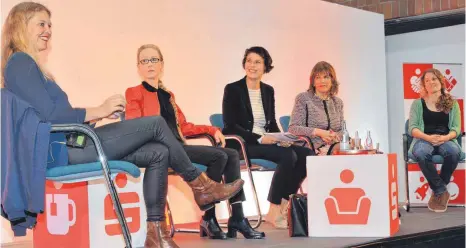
(419, 228)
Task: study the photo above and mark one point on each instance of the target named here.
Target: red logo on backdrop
(132, 214)
(65, 221)
(421, 191)
(411, 79)
(456, 187)
(450, 81)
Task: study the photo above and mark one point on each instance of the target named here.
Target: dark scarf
(166, 109)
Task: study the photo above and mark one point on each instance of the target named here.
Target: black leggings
(148, 143)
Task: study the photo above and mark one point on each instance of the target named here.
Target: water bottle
(368, 141)
(345, 144)
(357, 141)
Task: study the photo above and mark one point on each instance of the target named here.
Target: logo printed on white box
(58, 222)
(131, 207)
(453, 189)
(393, 194)
(348, 205)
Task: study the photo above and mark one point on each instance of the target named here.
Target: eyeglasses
(152, 60)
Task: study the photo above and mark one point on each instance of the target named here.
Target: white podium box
(420, 192)
(352, 195)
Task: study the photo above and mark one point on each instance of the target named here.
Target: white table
(352, 195)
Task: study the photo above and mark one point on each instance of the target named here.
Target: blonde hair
(14, 36)
(160, 83)
(156, 48)
(445, 101)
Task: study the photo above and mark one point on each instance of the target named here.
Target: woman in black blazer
(249, 111)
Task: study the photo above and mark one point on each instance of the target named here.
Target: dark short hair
(261, 52)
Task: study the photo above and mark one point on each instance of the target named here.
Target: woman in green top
(434, 123)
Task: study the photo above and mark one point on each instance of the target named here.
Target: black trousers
(220, 162)
(291, 169)
(148, 143)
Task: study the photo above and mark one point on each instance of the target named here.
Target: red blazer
(141, 103)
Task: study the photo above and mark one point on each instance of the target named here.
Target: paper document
(285, 137)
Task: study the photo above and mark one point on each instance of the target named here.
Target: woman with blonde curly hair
(318, 112)
(435, 123)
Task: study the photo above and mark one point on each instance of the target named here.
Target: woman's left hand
(444, 139)
(219, 138)
(440, 139)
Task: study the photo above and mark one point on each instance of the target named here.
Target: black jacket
(237, 111)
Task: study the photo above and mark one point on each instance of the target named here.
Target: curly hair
(445, 101)
(327, 68)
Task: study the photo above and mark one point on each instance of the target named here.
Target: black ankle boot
(244, 228)
(211, 229)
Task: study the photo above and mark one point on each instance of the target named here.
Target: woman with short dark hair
(249, 111)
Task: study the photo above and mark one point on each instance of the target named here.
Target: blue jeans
(423, 152)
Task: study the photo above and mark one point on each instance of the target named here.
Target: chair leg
(118, 209)
(170, 218)
(173, 229)
(227, 202)
(256, 199)
(223, 224)
(407, 205)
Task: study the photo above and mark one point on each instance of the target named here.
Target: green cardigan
(416, 120)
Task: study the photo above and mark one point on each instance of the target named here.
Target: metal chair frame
(106, 173)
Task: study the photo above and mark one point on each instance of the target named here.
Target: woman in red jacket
(152, 98)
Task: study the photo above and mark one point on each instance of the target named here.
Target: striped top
(257, 111)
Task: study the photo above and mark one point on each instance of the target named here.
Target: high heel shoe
(210, 228)
(244, 228)
(207, 192)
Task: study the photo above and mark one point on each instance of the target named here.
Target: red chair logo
(347, 205)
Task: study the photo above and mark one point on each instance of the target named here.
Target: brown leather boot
(208, 192)
(158, 236)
